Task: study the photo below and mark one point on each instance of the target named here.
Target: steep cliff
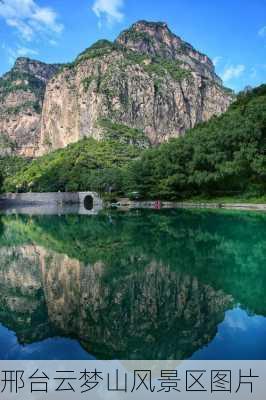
(156, 40)
(148, 79)
(21, 98)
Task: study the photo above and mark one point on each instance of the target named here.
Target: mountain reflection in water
(140, 285)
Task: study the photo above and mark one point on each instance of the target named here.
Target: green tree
(1, 182)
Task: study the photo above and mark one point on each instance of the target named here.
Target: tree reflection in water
(140, 285)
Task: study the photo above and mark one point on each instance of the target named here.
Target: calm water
(137, 285)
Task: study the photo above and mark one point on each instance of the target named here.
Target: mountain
(224, 156)
(156, 40)
(148, 79)
(21, 99)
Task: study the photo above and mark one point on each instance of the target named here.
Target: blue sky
(231, 32)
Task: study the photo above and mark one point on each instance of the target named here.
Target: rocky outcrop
(21, 98)
(156, 40)
(38, 69)
(148, 79)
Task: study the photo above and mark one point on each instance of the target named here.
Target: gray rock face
(157, 40)
(149, 79)
(38, 69)
(21, 98)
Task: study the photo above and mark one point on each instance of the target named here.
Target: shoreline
(126, 204)
(178, 205)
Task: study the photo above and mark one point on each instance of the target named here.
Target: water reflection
(48, 349)
(56, 209)
(142, 285)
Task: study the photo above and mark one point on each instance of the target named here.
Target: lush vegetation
(6, 143)
(12, 165)
(88, 164)
(161, 67)
(123, 134)
(1, 183)
(223, 157)
(9, 167)
(98, 49)
(134, 35)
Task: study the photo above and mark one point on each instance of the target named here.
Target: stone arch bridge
(54, 202)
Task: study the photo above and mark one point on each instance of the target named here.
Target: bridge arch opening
(88, 202)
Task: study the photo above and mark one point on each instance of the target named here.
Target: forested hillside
(85, 165)
(225, 156)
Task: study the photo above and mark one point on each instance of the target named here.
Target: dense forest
(225, 156)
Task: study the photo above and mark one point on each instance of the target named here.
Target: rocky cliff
(156, 40)
(149, 79)
(21, 99)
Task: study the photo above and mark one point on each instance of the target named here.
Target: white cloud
(233, 72)
(110, 10)
(25, 51)
(53, 42)
(28, 18)
(19, 51)
(217, 60)
(262, 31)
(25, 30)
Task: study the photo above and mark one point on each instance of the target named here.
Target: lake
(165, 284)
